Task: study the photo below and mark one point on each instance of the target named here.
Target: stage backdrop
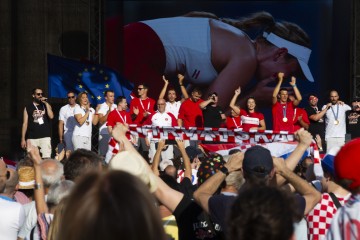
(327, 22)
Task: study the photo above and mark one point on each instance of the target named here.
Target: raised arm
(319, 115)
(182, 87)
(296, 91)
(232, 104)
(24, 128)
(39, 194)
(186, 159)
(163, 90)
(203, 104)
(311, 195)
(209, 187)
(49, 110)
(166, 195)
(277, 87)
(156, 160)
(304, 138)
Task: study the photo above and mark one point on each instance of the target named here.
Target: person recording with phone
(213, 114)
(36, 123)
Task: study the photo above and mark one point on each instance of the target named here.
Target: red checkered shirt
(320, 217)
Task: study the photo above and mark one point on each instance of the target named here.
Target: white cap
(301, 53)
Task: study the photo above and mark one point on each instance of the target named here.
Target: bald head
(161, 105)
(334, 97)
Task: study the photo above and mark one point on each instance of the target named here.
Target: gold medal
(336, 122)
(285, 119)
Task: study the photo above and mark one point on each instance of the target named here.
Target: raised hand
(293, 81)
(165, 80)
(238, 91)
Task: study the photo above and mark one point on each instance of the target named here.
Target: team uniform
(191, 113)
(250, 120)
(116, 116)
(335, 125)
(164, 119)
(283, 115)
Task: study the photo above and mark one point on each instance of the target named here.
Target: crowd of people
(149, 188)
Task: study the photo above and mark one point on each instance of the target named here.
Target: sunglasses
(39, 94)
(71, 97)
(140, 88)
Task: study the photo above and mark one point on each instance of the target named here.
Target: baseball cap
(134, 164)
(258, 161)
(327, 162)
(347, 163)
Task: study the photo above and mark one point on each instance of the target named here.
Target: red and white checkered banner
(212, 134)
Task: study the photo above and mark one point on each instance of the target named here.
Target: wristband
(181, 85)
(224, 170)
(37, 186)
(293, 85)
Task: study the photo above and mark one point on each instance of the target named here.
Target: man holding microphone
(36, 123)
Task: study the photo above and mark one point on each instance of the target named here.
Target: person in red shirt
(118, 115)
(140, 110)
(143, 106)
(190, 113)
(283, 107)
(301, 119)
(250, 119)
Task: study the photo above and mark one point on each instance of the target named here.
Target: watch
(37, 186)
(224, 170)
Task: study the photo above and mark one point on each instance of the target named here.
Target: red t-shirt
(283, 115)
(250, 120)
(146, 105)
(297, 113)
(191, 113)
(114, 118)
(235, 122)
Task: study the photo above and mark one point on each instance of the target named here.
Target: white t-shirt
(346, 222)
(66, 115)
(85, 129)
(104, 108)
(12, 216)
(173, 108)
(333, 130)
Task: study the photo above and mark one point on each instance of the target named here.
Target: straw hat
(134, 164)
(26, 177)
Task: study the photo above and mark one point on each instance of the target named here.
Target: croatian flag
(277, 149)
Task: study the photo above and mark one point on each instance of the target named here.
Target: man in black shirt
(212, 113)
(36, 123)
(352, 119)
(316, 117)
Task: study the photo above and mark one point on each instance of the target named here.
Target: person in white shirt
(85, 116)
(67, 121)
(12, 214)
(335, 121)
(104, 110)
(173, 106)
(161, 118)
